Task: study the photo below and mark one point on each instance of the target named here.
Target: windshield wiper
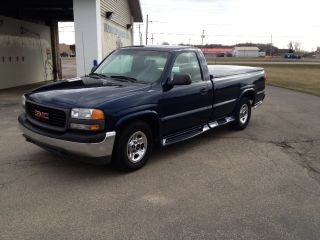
(100, 75)
(124, 78)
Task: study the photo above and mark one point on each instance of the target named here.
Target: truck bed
(219, 71)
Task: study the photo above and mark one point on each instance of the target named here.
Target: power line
(66, 27)
(179, 23)
(229, 35)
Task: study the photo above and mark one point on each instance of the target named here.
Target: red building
(217, 52)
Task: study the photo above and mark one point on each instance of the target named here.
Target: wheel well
(250, 95)
(151, 120)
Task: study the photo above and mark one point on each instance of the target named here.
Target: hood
(84, 92)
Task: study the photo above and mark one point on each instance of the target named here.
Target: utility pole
(203, 36)
(140, 35)
(147, 29)
(152, 38)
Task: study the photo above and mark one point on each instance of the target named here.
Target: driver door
(185, 106)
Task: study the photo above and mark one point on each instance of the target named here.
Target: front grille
(50, 116)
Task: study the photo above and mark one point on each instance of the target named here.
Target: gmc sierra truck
(138, 97)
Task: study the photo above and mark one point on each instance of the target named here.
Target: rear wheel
(133, 147)
(242, 115)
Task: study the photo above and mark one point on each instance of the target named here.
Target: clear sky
(227, 22)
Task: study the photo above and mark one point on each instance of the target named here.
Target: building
(66, 50)
(318, 53)
(29, 47)
(262, 54)
(245, 52)
(217, 52)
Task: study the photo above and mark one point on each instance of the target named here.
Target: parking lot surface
(260, 183)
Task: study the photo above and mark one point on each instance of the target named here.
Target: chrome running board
(195, 132)
(257, 105)
(221, 122)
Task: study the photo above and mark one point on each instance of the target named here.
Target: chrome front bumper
(94, 150)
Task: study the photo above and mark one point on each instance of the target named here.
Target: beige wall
(114, 30)
(121, 10)
(114, 36)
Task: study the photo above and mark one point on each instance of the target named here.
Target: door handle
(203, 91)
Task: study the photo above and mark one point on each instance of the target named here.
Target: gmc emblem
(42, 115)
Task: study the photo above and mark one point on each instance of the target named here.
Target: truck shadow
(161, 153)
(81, 167)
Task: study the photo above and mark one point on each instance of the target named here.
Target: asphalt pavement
(260, 183)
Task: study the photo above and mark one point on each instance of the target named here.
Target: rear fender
(249, 93)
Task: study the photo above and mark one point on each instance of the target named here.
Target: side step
(258, 104)
(182, 136)
(221, 122)
(195, 131)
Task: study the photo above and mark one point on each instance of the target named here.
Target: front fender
(137, 115)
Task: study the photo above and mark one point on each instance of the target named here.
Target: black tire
(240, 123)
(120, 156)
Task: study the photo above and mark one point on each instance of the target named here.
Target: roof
(136, 11)
(46, 10)
(165, 48)
(246, 48)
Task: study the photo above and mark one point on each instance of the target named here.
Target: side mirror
(181, 79)
(93, 68)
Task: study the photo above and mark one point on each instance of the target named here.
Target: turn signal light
(94, 127)
(91, 127)
(97, 115)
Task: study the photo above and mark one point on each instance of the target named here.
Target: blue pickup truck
(138, 97)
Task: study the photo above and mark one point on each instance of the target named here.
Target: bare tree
(290, 45)
(294, 47)
(297, 47)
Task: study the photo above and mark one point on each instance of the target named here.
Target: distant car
(292, 56)
(64, 54)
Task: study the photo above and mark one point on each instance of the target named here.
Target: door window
(187, 63)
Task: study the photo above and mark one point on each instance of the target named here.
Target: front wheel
(242, 115)
(133, 147)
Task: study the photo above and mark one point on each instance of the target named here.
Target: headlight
(23, 101)
(87, 114)
(95, 119)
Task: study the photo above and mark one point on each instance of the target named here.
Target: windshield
(134, 65)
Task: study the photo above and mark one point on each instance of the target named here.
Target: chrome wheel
(244, 113)
(137, 146)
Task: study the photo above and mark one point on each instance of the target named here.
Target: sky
(227, 22)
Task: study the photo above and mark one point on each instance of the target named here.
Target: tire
(133, 147)
(242, 115)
